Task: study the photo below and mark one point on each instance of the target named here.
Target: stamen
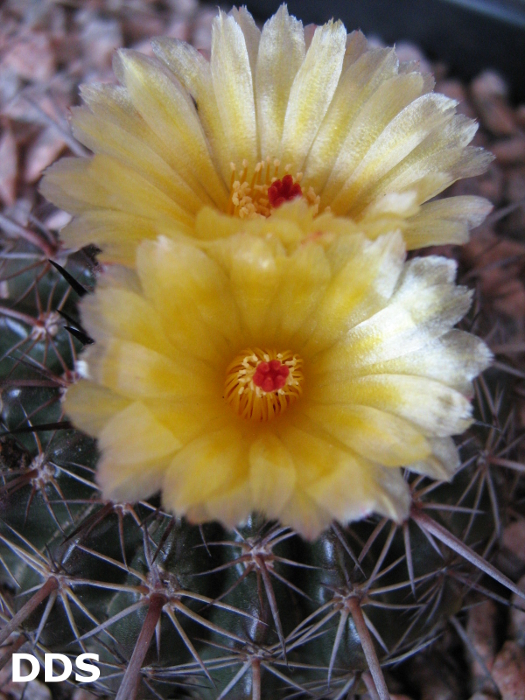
(255, 196)
(260, 384)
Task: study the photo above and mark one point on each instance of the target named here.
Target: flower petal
(91, 406)
(442, 463)
(312, 92)
(446, 221)
(255, 280)
(363, 284)
(81, 184)
(132, 370)
(424, 307)
(233, 86)
(191, 295)
(305, 515)
(193, 71)
(302, 286)
(281, 53)
(272, 474)
(103, 136)
(125, 314)
(252, 33)
(453, 359)
(375, 107)
(136, 449)
(446, 412)
(382, 152)
(206, 467)
(171, 115)
(378, 436)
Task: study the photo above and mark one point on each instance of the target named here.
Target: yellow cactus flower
(291, 382)
(272, 115)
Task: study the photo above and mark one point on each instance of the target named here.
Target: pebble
(514, 539)
(32, 57)
(34, 690)
(517, 616)
(81, 694)
(508, 672)
(489, 94)
(100, 38)
(44, 150)
(8, 167)
(481, 630)
(510, 151)
(201, 36)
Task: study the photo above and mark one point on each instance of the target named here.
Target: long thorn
(443, 535)
(129, 687)
(256, 679)
(49, 586)
(368, 648)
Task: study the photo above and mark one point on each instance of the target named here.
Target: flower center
(261, 384)
(267, 189)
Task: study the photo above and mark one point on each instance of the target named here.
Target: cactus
(175, 610)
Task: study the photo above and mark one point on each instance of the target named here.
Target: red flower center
(271, 376)
(283, 191)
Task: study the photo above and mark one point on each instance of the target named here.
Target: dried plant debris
(47, 49)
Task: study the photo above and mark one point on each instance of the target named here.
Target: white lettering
(17, 674)
(94, 672)
(48, 665)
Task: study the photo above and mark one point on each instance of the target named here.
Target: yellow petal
(231, 507)
(252, 33)
(425, 306)
(136, 450)
(302, 286)
(210, 465)
(380, 437)
(453, 359)
(117, 233)
(255, 280)
(440, 159)
(442, 463)
(194, 73)
(272, 475)
(233, 87)
(367, 120)
(358, 81)
(397, 139)
(281, 53)
(446, 221)
(102, 136)
(192, 297)
(79, 184)
(124, 314)
(342, 483)
(306, 516)
(134, 371)
(91, 406)
(168, 110)
(446, 412)
(312, 92)
(362, 286)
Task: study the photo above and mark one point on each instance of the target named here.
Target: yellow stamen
(248, 398)
(249, 195)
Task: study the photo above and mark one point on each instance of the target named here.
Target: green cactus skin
(177, 611)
